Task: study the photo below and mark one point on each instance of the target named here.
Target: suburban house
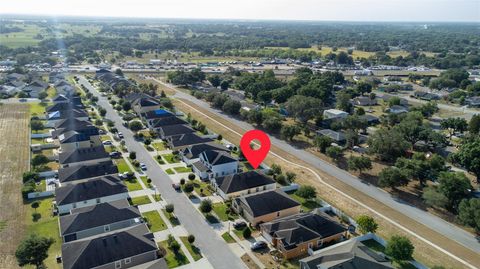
(338, 137)
(473, 101)
(98, 219)
(34, 88)
(162, 122)
(213, 163)
(293, 236)
(60, 98)
(83, 171)
(371, 119)
(56, 116)
(348, 254)
(113, 81)
(387, 97)
(72, 140)
(426, 96)
(265, 206)
(396, 109)
(120, 249)
(334, 114)
(171, 130)
(364, 101)
(145, 104)
(90, 192)
(83, 156)
(151, 115)
(191, 154)
(80, 126)
(62, 106)
(235, 185)
(177, 142)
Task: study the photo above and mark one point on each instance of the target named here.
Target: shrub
(132, 155)
(191, 176)
(191, 239)
(169, 208)
(247, 233)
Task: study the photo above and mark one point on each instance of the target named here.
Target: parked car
(258, 245)
(143, 166)
(239, 225)
(115, 154)
(123, 175)
(120, 135)
(176, 186)
(107, 142)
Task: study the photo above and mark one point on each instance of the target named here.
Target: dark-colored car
(115, 154)
(239, 225)
(176, 186)
(258, 245)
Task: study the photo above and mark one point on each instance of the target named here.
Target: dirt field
(14, 120)
(424, 253)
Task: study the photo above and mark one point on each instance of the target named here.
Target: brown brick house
(294, 235)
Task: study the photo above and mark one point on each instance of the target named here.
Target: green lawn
(170, 171)
(220, 210)
(228, 238)
(140, 200)
(170, 158)
(173, 259)
(105, 137)
(159, 146)
(194, 251)
(202, 188)
(182, 169)
(307, 205)
(173, 220)
(239, 233)
(122, 166)
(133, 184)
(144, 180)
(155, 221)
(38, 141)
(47, 226)
(51, 91)
(38, 108)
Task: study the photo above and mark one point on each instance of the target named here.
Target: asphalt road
(435, 223)
(212, 246)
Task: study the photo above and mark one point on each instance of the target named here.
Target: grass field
(158, 146)
(182, 169)
(194, 251)
(173, 260)
(170, 171)
(170, 158)
(307, 205)
(141, 200)
(38, 108)
(220, 210)
(228, 238)
(133, 184)
(122, 166)
(202, 188)
(14, 149)
(155, 221)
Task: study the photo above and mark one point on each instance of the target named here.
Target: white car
(143, 166)
(107, 142)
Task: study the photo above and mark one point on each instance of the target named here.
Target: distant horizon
(52, 16)
(426, 11)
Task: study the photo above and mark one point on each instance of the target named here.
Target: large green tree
(468, 156)
(33, 250)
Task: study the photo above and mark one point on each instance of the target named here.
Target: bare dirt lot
(14, 152)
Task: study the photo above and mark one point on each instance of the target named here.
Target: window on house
(310, 245)
(319, 243)
(106, 228)
(128, 260)
(264, 187)
(74, 205)
(98, 200)
(118, 264)
(278, 214)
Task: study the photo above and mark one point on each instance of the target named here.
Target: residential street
(212, 246)
(435, 223)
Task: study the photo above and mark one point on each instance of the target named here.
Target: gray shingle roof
(194, 151)
(176, 129)
(78, 172)
(82, 154)
(92, 189)
(167, 121)
(299, 228)
(186, 140)
(216, 157)
(97, 215)
(262, 203)
(93, 252)
(242, 181)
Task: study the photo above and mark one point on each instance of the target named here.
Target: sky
(317, 10)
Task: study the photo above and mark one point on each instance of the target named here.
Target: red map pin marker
(255, 156)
